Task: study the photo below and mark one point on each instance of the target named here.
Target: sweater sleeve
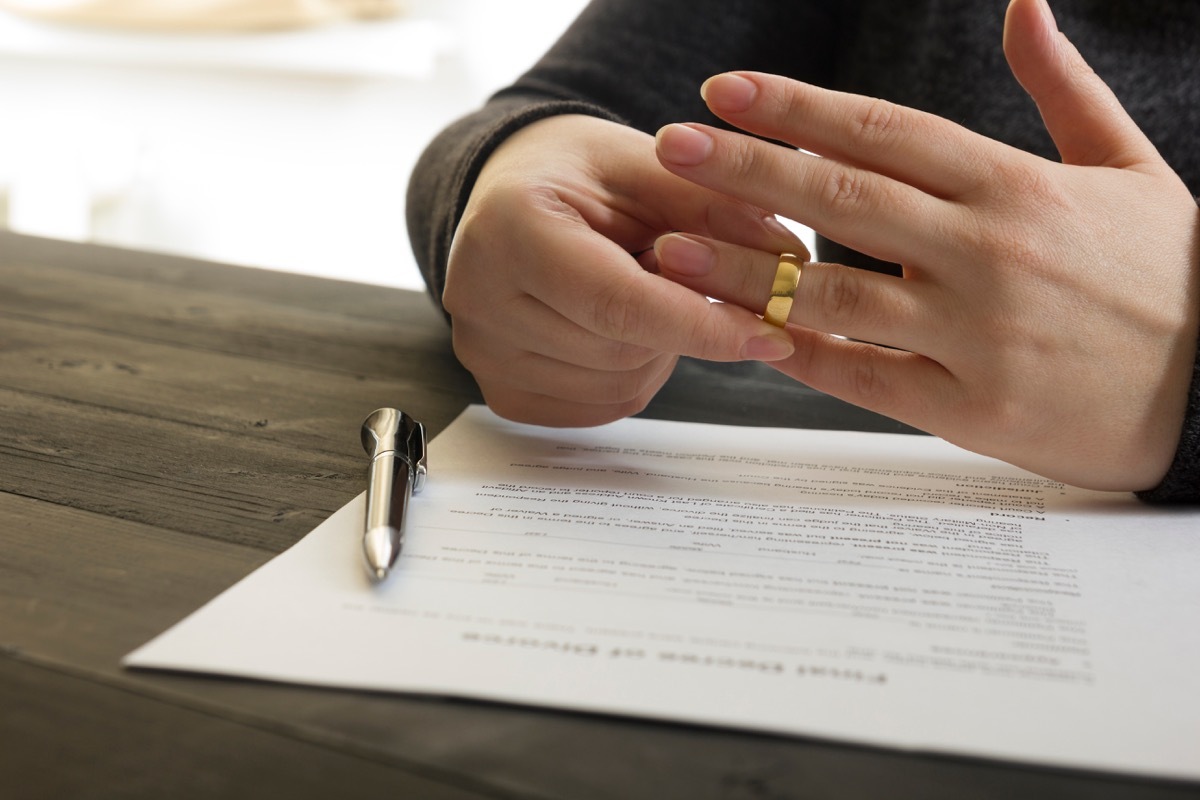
(1182, 481)
(632, 61)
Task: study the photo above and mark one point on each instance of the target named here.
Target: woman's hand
(553, 314)
(1048, 312)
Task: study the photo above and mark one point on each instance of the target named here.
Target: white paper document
(877, 588)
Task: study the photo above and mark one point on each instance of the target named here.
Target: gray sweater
(641, 62)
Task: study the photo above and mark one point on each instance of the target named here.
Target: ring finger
(830, 298)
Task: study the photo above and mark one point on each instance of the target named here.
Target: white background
(284, 150)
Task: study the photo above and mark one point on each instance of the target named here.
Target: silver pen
(396, 444)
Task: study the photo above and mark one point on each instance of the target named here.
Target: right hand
(552, 313)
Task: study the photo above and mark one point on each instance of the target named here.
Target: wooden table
(168, 425)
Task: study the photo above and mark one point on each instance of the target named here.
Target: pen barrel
(389, 488)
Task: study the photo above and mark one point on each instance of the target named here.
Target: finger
(911, 146)
(561, 380)
(895, 383)
(597, 285)
(831, 298)
(870, 212)
(684, 206)
(610, 180)
(635, 200)
(563, 259)
(545, 333)
(520, 404)
(1085, 119)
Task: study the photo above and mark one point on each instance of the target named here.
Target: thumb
(1085, 119)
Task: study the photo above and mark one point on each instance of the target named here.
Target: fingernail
(684, 255)
(729, 93)
(684, 145)
(771, 347)
(786, 235)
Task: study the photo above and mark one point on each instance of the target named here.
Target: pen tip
(380, 573)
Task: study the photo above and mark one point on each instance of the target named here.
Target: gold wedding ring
(783, 290)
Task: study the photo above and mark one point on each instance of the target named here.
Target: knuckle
(487, 244)
(468, 349)
(1008, 418)
(1026, 182)
(714, 335)
(1024, 188)
(997, 231)
(839, 294)
(742, 161)
(1015, 252)
(845, 191)
(621, 388)
(636, 406)
(625, 356)
(456, 296)
(651, 379)
(706, 338)
(876, 122)
(870, 385)
(616, 310)
(630, 389)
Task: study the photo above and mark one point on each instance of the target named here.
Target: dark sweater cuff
(1182, 481)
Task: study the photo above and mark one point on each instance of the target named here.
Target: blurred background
(284, 148)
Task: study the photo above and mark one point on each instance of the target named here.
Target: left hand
(1048, 312)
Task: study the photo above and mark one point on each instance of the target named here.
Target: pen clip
(416, 454)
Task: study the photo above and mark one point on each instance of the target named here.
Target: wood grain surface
(168, 425)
